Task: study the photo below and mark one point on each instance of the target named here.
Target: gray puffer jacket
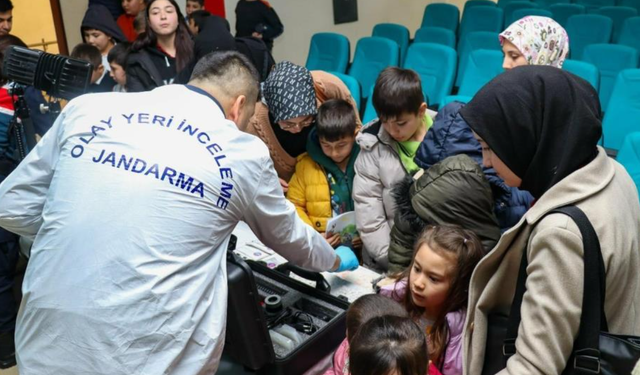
(378, 168)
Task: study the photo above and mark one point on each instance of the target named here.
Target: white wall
(303, 18)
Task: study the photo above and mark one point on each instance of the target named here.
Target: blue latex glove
(348, 260)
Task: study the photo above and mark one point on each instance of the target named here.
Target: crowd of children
(430, 192)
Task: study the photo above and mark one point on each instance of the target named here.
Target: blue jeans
(9, 250)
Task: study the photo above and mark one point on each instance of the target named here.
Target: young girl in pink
(434, 290)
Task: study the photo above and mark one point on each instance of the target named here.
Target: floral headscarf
(541, 40)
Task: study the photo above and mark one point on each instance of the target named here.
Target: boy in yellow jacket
(322, 183)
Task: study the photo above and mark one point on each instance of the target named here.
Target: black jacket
(150, 68)
(258, 16)
(98, 17)
(214, 35)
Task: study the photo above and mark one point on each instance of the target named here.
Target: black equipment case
(317, 316)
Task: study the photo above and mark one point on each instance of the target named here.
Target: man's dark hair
(198, 17)
(201, 2)
(7, 41)
(89, 53)
(5, 5)
(336, 119)
(119, 53)
(397, 91)
(229, 71)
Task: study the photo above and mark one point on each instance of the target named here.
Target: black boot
(7, 350)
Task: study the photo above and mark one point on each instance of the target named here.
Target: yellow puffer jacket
(309, 192)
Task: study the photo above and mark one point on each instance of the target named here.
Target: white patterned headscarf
(289, 92)
(541, 40)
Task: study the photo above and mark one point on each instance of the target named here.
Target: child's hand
(357, 243)
(285, 186)
(256, 35)
(332, 239)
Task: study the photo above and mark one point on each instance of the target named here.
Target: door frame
(59, 26)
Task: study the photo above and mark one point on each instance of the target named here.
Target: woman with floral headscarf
(285, 116)
(534, 40)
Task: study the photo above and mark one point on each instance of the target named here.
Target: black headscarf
(542, 122)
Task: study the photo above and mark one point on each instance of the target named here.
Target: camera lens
(273, 304)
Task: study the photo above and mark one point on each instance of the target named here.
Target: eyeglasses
(287, 125)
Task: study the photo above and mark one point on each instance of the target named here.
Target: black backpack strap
(593, 319)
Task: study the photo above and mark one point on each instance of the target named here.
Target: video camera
(59, 76)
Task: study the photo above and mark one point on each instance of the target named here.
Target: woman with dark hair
(162, 51)
(539, 128)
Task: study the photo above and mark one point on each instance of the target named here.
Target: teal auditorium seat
(455, 98)
(618, 15)
(477, 3)
(629, 3)
(593, 5)
(630, 35)
(372, 55)
(436, 65)
(329, 51)
(521, 13)
(504, 3)
(353, 86)
(585, 29)
(395, 32)
(623, 114)
(480, 18)
(629, 157)
(475, 41)
(610, 59)
(442, 15)
(562, 12)
(547, 3)
(436, 35)
(369, 111)
(512, 7)
(483, 65)
(584, 70)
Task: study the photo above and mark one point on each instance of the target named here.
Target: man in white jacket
(131, 199)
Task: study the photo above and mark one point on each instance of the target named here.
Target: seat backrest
(618, 15)
(329, 51)
(436, 35)
(372, 55)
(441, 15)
(585, 29)
(593, 5)
(353, 86)
(547, 3)
(584, 70)
(629, 157)
(395, 32)
(623, 114)
(513, 6)
(521, 13)
(477, 3)
(481, 18)
(629, 3)
(369, 110)
(629, 36)
(475, 41)
(483, 65)
(562, 12)
(610, 59)
(436, 65)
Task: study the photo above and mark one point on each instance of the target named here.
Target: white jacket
(131, 199)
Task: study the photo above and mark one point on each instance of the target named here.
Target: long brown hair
(468, 250)
(183, 41)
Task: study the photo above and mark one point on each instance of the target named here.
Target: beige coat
(327, 87)
(553, 302)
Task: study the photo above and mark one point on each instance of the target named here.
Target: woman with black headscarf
(539, 127)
